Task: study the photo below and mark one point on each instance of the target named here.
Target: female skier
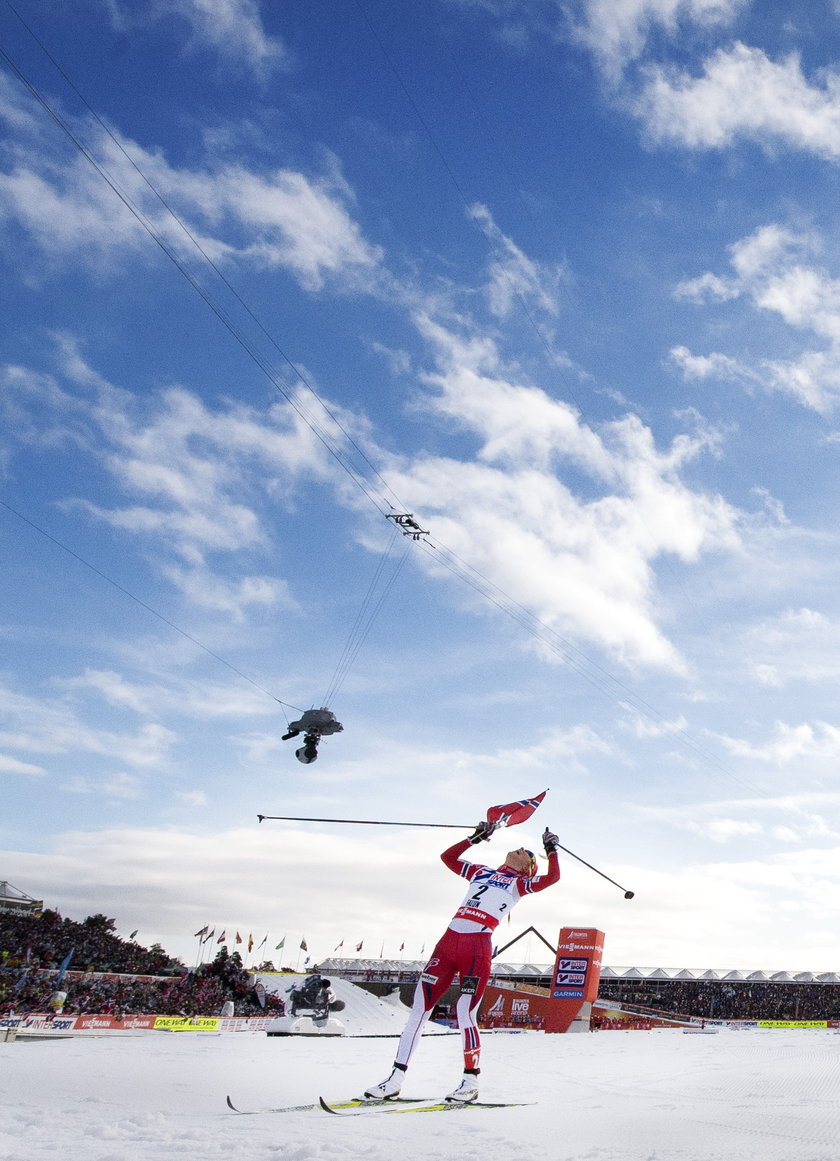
(465, 949)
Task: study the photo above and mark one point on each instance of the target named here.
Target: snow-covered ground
(610, 1096)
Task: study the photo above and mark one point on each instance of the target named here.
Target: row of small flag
(205, 935)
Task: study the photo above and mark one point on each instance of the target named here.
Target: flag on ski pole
(515, 812)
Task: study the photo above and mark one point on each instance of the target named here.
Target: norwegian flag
(515, 812)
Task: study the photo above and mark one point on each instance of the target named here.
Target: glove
(550, 841)
(483, 832)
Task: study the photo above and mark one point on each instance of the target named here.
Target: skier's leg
(426, 995)
(466, 1011)
(435, 979)
(475, 960)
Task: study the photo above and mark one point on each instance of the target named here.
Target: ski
(351, 1104)
(415, 1107)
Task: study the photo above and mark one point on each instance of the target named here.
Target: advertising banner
(185, 1024)
(577, 974)
(96, 1021)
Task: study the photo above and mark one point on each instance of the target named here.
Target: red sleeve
(552, 875)
(452, 856)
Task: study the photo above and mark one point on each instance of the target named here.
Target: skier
(466, 949)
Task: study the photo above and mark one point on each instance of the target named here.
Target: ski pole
(627, 894)
(434, 825)
(360, 821)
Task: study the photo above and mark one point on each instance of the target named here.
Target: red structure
(577, 974)
(567, 1005)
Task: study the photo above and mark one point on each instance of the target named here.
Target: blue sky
(562, 280)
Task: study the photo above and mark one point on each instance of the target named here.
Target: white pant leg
(414, 1026)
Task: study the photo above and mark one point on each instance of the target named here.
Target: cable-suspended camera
(313, 724)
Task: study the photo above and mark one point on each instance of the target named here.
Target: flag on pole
(359, 946)
(303, 946)
(209, 936)
(265, 940)
(238, 937)
(340, 945)
(515, 812)
(221, 938)
(134, 932)
(65, 964)
(250, 943)
(382, 950)
(402, 947)
(279, 946)
(199, 934)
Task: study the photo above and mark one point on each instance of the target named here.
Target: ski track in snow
(610, 1096)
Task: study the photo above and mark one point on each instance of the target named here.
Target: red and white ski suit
(465, 948)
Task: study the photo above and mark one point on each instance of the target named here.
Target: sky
(559, 279)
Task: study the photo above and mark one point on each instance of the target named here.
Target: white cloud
(617, 31)
(794, 817)
(200, 699)
(742, 94)
(654, 728)
(51, 726)
(9, 765)
(114, 787)
(277, 219)
(714, 366)
(170, 883)
(773, 270)
(231, 28)
(797, 646)
(514, 277)
(200, 474)
(720, 830)
(582, 566)
(817, 741)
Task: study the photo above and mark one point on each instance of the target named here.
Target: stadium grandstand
(103, 972)
(15, 902)
(704, 993)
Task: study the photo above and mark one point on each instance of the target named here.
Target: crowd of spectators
(44, 940)
(113, 976)
(729, 999)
